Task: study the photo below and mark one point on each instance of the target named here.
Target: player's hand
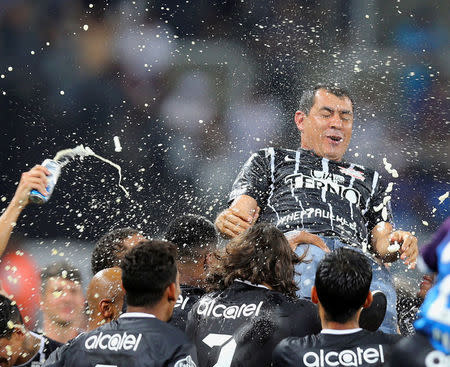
(304, 237)
(36, 178)
(409, 249)
(234, 220)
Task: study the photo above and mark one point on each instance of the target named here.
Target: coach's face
(327, 128)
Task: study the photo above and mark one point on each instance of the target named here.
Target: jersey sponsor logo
(437, 358)
(353, 173)
(346, 357)
(210, 308)
(113, 342)
(327, 182)
(185, 362)
(316, 213)
(181, 302)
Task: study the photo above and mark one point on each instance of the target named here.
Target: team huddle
(301, 281)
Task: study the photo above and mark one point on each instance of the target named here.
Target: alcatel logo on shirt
(114, 342)
(209, 308)
(345, 357)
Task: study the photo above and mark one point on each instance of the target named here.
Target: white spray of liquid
(66, 155)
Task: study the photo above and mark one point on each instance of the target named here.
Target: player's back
(241, 325)
(188, 297)
(132, 340)
(355, 347)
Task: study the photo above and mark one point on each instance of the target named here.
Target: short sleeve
(254, 178)
(379, 207)
(185, 356)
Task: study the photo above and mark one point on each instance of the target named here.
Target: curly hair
(259, 255)
(9, 313)
(108, 247)
(147, 270)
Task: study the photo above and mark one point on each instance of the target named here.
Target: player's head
(194, 236)
(342, 283)
(150, 277)
(12, 332)
(325, 120)
(62, 300)
(260, 255)
(105, 297)
(111, 247)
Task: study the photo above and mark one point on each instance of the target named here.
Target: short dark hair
(259, 255)
(108, 247)
(9, 313)
(342, 282)
(192, 234)
(147, 270)
(309, 95)
(61, 269)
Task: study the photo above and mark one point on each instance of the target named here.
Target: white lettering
(115, 342)
(209, 308)
(346, 357)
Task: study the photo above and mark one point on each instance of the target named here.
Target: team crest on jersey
(353, 173)
(185, 362)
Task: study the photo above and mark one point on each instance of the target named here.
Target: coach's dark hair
(259, 255)
(147, 270)
(61, 269)
(9, 315)
(342, 282)
(109, 249)
(308, 96)
(192, 234)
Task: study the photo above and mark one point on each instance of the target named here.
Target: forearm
(7, 222)
(381, 241)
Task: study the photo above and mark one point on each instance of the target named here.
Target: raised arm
(36, 178)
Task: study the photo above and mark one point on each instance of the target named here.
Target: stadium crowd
(308, 290)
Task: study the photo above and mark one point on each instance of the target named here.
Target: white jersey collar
(254, 285)
(137, 314)
(340, 332)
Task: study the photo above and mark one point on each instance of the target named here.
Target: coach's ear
(106, 309)
(299, 118)
(172, 292)
(314, 297)
(368, 300)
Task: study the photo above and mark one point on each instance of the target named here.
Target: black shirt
(188, 297)
(47, 346)
(297, 189)
(360, 349)
(416, 351)
(241, 325)
(135, 339)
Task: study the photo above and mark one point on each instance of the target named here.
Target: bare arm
(241, 215)
(383, 237)
(33, 179)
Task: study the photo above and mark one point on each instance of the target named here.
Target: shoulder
(381, 337)
(289, 350)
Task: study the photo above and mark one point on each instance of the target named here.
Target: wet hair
(308, 97)
(192, 234)
(109, 247)
(9, 312)
(259, 255)
(147, 270)
(60, 269)
(342, 282)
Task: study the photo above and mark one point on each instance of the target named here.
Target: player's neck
(30, 347)
(333, 325)
(159, 311)
(192, 274)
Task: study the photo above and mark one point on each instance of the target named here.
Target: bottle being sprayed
(55, 170)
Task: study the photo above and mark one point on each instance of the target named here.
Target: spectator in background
(105, 297)
(62, 302)
(341, 290)
(36, 178)
(141, 336)
(19, 346)
(111, 248)
(196, 238)
(253, 304)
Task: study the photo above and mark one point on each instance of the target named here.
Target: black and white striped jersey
(241, 325)
(296, 189)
